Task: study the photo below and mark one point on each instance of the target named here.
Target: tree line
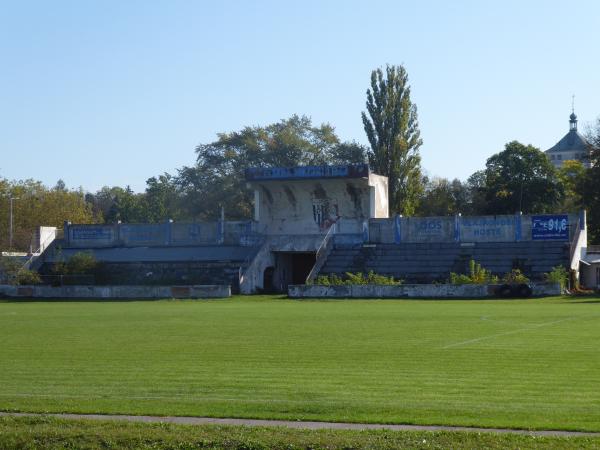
(518, 178)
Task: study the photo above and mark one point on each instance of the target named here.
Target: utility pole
(10, 234)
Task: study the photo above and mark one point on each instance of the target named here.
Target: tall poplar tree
(392, 128)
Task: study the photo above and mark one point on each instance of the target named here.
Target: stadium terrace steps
(427, 262)
(213, 264)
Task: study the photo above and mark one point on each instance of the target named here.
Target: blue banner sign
(307, 172)
(550, 227)
(86, 233)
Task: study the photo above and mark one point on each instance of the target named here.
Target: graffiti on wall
(487, 228)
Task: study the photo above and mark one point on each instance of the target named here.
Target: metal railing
(43, 246)
(574, 243)
(322, 254)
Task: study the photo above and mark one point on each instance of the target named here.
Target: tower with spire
(572, 146)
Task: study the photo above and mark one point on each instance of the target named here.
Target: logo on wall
(550, 227)
(324, 214)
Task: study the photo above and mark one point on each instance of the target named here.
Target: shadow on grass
(101, 300)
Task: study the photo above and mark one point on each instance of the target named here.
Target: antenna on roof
(573, 103)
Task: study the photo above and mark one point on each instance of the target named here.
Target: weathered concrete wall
(409, 291)
(312, 206)
(253, 276)
(44, 236)
(159, 234)
(487, 228)
(505, 228)
(115, 292)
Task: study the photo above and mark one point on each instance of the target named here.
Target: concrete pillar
(371, 202)
(256, 205)
(457, 228)
(518, 226)
(398, 228)
(169, 232)
(66, 232)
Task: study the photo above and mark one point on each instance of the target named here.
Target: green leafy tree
(127, 206)
(392, 127)
(590, 187)
(572, 174)
(443, 197)
(39, 205)
(521, 178)
(162, 201)
(218, 177)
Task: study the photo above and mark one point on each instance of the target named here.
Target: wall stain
(290, 196)
(267, 194)
(354, 194)
(320, 192)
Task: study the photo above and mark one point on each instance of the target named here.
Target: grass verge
(48, 433)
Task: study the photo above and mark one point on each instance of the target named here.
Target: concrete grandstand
(319, 220)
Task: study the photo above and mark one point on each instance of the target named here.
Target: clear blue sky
(113, 92)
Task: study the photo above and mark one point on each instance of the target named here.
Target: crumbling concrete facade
(310, 200)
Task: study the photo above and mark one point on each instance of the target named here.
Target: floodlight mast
(10, 234)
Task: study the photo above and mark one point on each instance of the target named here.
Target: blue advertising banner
(554, 227)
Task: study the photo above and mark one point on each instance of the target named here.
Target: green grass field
(512, 363)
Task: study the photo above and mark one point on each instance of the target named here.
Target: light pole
(10, 234)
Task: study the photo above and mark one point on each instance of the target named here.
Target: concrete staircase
(428, 262)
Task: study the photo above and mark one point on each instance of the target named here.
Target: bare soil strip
(298, 424)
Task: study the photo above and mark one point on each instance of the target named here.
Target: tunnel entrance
(292, 268)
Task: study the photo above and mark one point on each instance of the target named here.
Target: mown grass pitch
(512, 363)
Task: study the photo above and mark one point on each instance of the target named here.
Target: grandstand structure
(315, 220)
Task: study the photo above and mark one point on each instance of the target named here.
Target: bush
(26, 276)
(355, 278)
(81, 263)
(9, 268)
(515, 276)
(558, 274)
(12, 272)
(476, 275)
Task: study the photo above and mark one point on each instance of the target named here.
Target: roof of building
(572, 141)
(307, 172)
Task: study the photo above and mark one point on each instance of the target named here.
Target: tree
(572, 175)
(161, 199)
(443, 197)
(521, 178)
(39, 205)
(392, 128)
(589, 189)
(218, 177)
(477, 191)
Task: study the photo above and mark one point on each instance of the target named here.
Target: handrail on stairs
(574, 243)
(43, 246)
(321, 255)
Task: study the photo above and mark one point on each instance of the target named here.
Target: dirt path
(297, 424)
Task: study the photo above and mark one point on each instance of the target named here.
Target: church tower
(572, 146)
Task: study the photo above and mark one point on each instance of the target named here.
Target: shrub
(515, 276)
(558, 274)
(476, 275)
(355, 278)
(81, 263)
(12, 272)
(9, 268)
(25, 276)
